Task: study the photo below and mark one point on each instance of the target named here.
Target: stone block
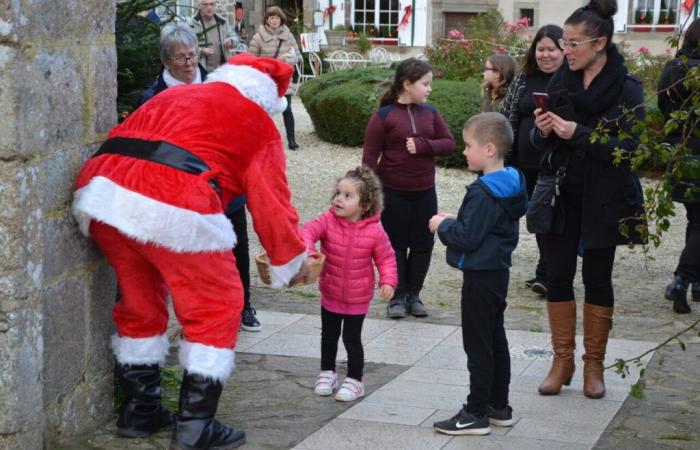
(101, 288)
(104, 88)
(66, 248)
(8, 124)
(64, 336)
(52, 20)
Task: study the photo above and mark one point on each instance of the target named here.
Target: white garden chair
(380, 56)
(314, 64)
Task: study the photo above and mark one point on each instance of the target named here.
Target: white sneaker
(351, 390)
(326, 382)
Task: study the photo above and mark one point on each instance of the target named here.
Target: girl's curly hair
(369, 187)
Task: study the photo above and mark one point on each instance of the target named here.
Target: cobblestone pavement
(666, 416)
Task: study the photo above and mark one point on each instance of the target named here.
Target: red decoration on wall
(327, 12)
(688, 5)
(406, 18)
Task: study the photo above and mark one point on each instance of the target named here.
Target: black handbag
(545, 210)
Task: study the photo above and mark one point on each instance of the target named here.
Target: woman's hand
(563, 128)
(410, 145)
(386, 291)
(543, 122)
(207, 51)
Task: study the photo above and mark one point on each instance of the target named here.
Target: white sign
(309, 42)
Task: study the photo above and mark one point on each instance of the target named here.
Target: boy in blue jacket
(480, 240)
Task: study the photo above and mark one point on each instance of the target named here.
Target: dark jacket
(673, 96)
(485, 232)
(159, 85)
(386, 135)
(611, 193)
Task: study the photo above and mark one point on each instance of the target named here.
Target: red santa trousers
(207, 297)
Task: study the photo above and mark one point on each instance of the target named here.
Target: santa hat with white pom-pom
(262, 80)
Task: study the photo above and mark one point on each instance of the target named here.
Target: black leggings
(689, 263)
(405, 219)
(561, 255)
(331, 324)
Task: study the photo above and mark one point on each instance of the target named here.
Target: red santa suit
(163, 228)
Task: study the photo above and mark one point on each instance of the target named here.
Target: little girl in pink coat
(351, 236)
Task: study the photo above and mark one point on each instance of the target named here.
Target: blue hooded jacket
(485, 232)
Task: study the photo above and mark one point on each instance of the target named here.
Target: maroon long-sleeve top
(385, 145)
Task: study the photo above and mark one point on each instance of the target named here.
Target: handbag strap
(277, 50)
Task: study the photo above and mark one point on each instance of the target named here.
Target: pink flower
(456, 34)
(644, 50)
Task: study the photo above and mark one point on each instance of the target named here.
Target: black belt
(159, 152)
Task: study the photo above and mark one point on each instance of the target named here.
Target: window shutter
(621, 18)
(415, 32)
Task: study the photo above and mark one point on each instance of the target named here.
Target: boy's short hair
(492, 128)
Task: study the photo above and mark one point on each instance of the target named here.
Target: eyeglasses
(490, 68)
(573, 45)
(184, 59)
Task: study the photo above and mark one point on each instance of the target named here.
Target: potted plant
(363, 45)
(642, 20)
(336, 36)
(667, 20)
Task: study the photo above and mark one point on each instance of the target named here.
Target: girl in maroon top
(401, 142)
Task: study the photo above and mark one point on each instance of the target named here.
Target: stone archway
(57, 102)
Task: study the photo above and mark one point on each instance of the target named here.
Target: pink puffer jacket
(347, 278)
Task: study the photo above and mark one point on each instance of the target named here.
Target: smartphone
(541, 100)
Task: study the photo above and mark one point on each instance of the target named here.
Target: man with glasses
(179, 56)
(216, 38)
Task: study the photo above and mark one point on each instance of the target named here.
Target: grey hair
(176, 33)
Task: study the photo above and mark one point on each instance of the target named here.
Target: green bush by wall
(341, 103)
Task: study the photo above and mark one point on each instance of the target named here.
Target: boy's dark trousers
(484, 338)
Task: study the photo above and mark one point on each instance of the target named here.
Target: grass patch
(304, 294)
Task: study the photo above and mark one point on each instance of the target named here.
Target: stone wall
(57, 101)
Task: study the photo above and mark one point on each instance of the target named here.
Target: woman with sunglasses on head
(542, 59)
(499, 71)
(592, 88)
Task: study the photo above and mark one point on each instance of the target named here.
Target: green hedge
(341, 103)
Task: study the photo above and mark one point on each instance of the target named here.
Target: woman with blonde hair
(275, 40)
(499, 71)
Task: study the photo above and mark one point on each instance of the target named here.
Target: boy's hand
(386, 291)
(410, 145)
(435, 222)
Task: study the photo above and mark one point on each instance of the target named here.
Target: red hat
(281, 73)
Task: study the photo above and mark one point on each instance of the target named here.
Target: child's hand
(447, 215)
(410, 145)
(435, 222)
(386, 291)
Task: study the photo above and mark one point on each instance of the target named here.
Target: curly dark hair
(369, 188)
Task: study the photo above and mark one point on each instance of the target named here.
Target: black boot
(196, 427)
(677, 291)
(289, 125)
(292, 143)
(397, 305)
(141, 413)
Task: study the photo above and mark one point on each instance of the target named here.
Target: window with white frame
(181, 8)
(377, 18)
(654, 12)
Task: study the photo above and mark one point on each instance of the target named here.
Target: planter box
(665, 28)
(335, 38)
(640, 28)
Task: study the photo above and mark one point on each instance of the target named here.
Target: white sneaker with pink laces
(350, 390)
(326, 382)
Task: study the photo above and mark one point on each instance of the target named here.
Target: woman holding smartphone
(542, 59)
(598, 195)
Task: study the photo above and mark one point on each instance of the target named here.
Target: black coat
(159, 85)
(672, 96)
(610, 193)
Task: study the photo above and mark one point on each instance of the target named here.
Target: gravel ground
(641, 311)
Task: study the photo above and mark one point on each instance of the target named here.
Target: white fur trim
(207, 360)
(151, 350)
(255, 85)
(280, 276)
(147, 220)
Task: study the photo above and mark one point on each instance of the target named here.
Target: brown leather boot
(562, 323)
(597, 323)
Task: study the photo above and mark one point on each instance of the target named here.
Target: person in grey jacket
(274, 40)
(216, 38)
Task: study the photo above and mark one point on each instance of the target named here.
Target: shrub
(341, 103)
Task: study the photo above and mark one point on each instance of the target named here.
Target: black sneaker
(539, 287)
(464, 423)
(677, 292)
(248, 320)
(695, 290)
(500, 417)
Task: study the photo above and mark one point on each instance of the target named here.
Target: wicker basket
(315, 266)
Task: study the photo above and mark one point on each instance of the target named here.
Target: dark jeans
(405, 219)
(689, 262)
(288, 119)
(331, 324)
(562, 253)
(530, 181)
(240, 251)
(484, 339)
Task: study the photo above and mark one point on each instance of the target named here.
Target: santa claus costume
(153, 199)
